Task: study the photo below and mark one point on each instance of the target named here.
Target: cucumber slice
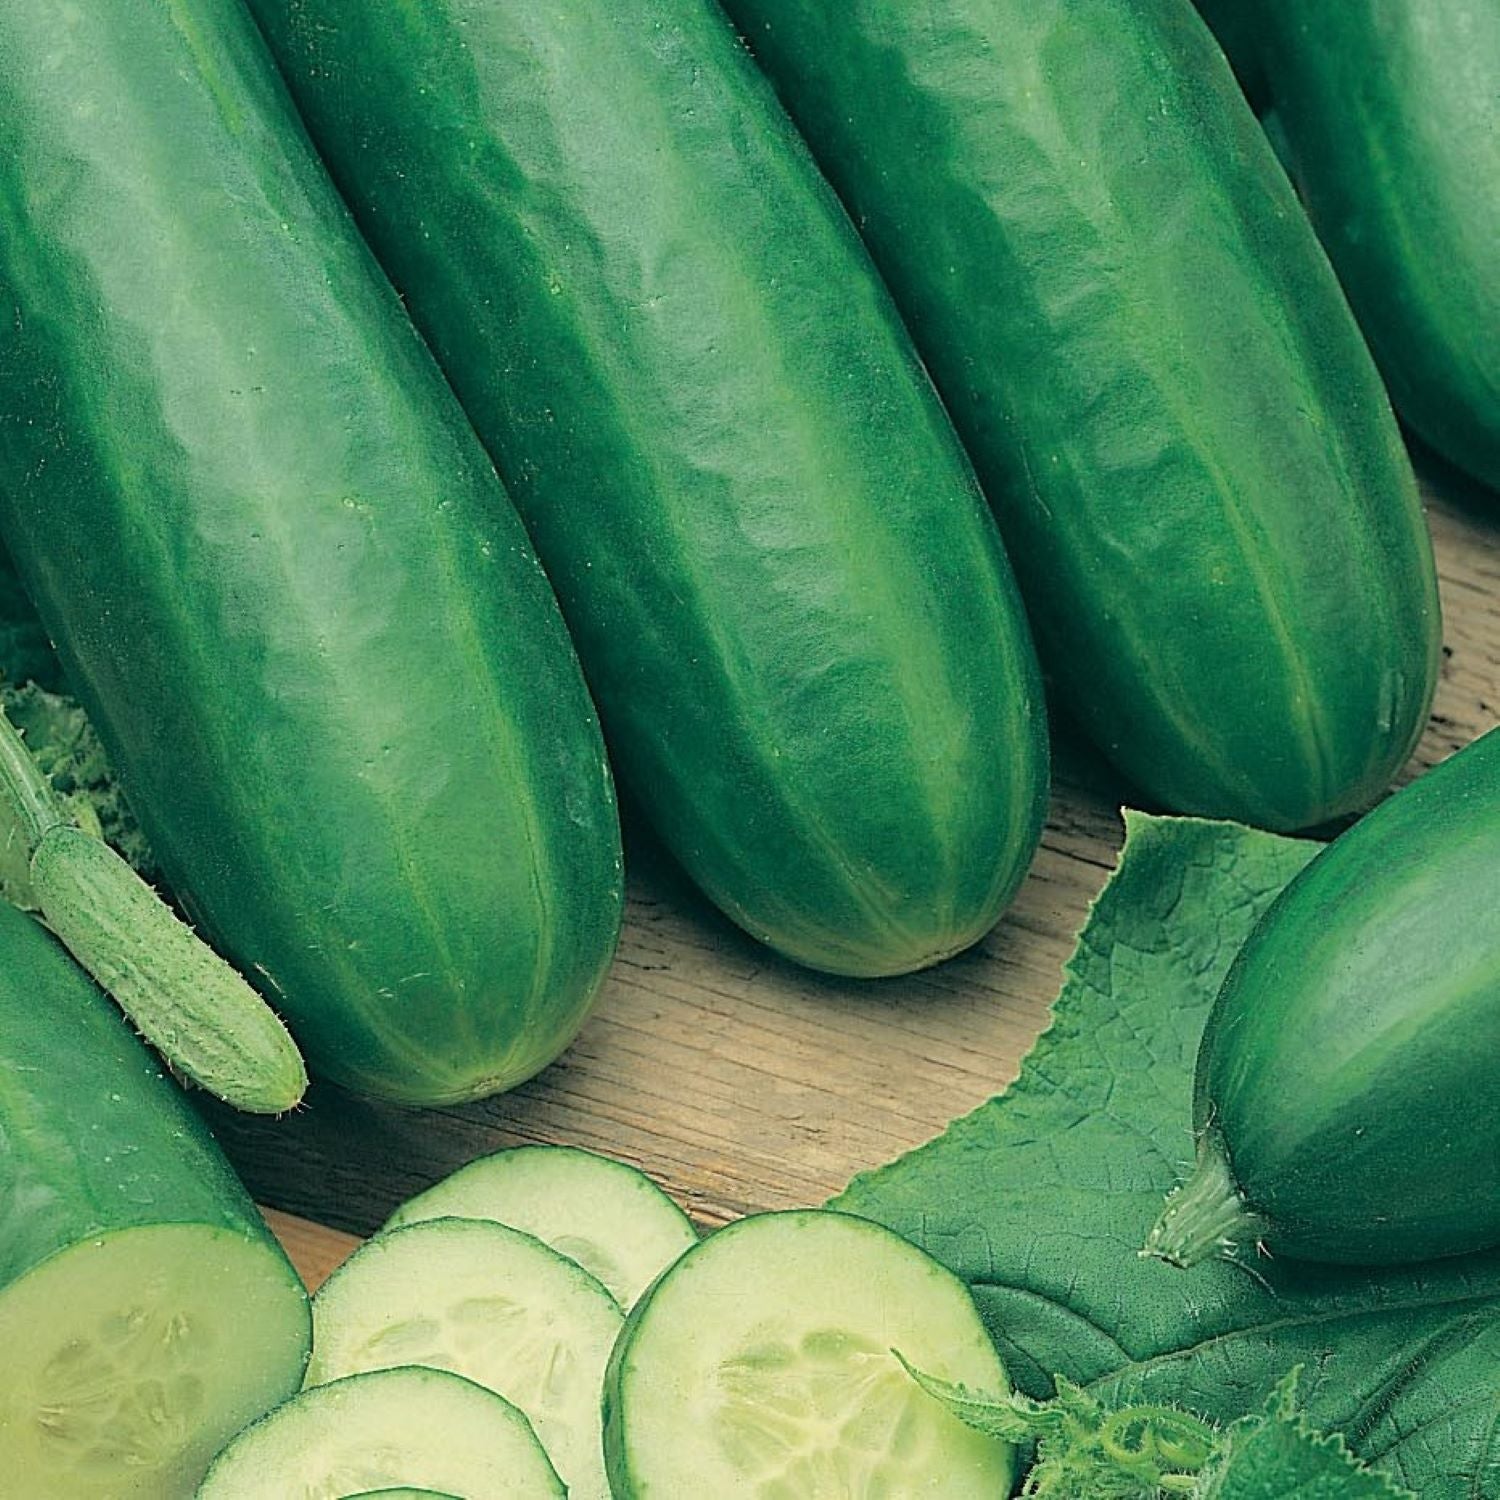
(760, 1366)
(392, 1427)
(492, 1304)
(406, 1493)
(113, 1381)
(613, 1220)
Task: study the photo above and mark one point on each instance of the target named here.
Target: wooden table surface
(740, 1082)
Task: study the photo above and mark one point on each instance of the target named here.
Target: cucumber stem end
(1207, 1217)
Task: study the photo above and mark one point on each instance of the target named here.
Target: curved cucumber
(609, 1218)
(145, 1312)
(1391, 110)
(404, 1493)
(384, 1429)
(1348, 1107)
(794, 612)
(1192, 457)
(492, 1304)
(279, 567)
(761, 1365)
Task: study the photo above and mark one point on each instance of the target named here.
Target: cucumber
(761, 1365)
(404, 1493)
(609, 1218)
(385, 1428)
(791, 605)
(1392, 113)
(1191, 455)
(145, 1312)
(279, 568)
(1347, 1107)
(491, 1304)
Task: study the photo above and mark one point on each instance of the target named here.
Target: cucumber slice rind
(610, 1218)
(400, 1427)
(491, 1304)
(761, 1367)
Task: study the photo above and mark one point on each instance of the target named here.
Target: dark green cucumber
(793, 610)
(146, 1314)
(1348, 1102)
(280, 569)
(1391, 109)
(1192, 458)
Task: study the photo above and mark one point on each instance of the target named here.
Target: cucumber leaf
(1279, 1456)
(1042, 1199)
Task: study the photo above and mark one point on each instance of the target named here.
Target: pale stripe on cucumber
(608, 1217)
(489, 1303)
(761, 1366)
(398, 1427)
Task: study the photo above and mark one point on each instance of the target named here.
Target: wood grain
(740, 1082)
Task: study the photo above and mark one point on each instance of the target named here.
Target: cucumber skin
(1392, 1156)
(1392, 110)
(93, 1138)
(1193, 461)
(280, 570)
(797, 619)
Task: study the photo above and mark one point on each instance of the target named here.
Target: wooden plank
(740, 1082)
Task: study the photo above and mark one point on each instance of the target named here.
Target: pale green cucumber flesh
(608, 1217)
(399, 1427)
(488, 1303)
(131, 1357)
(761, 1366)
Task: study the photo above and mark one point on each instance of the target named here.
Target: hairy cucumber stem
(25, 792)
(1207, 1216)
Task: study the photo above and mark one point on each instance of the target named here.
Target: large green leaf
(1042, 1198)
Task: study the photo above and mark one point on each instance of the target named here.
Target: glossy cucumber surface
(279, 567)
(1193, 460)
(1347, 1076)
(1391, 109)
(794, 612)
(146, 1313)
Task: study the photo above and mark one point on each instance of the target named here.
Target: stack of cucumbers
(414, 417)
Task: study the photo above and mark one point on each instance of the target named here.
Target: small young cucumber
(761, 1367)
(1348, 1103)
(146, 1314)
(609, 1218)
(394, 1427)
(183, 998)
(491, 1303)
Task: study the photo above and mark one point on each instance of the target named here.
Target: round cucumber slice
(492, 1304)
(405, 1493)
(129, 1358)
(610, 1218)
(760, 1366)
(392, 1427)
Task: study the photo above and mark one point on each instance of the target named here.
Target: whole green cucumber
(1391, 109)
(279, 567)
(1193, 461)
(146, 1313)
(1347, 1102)
(792, 607)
